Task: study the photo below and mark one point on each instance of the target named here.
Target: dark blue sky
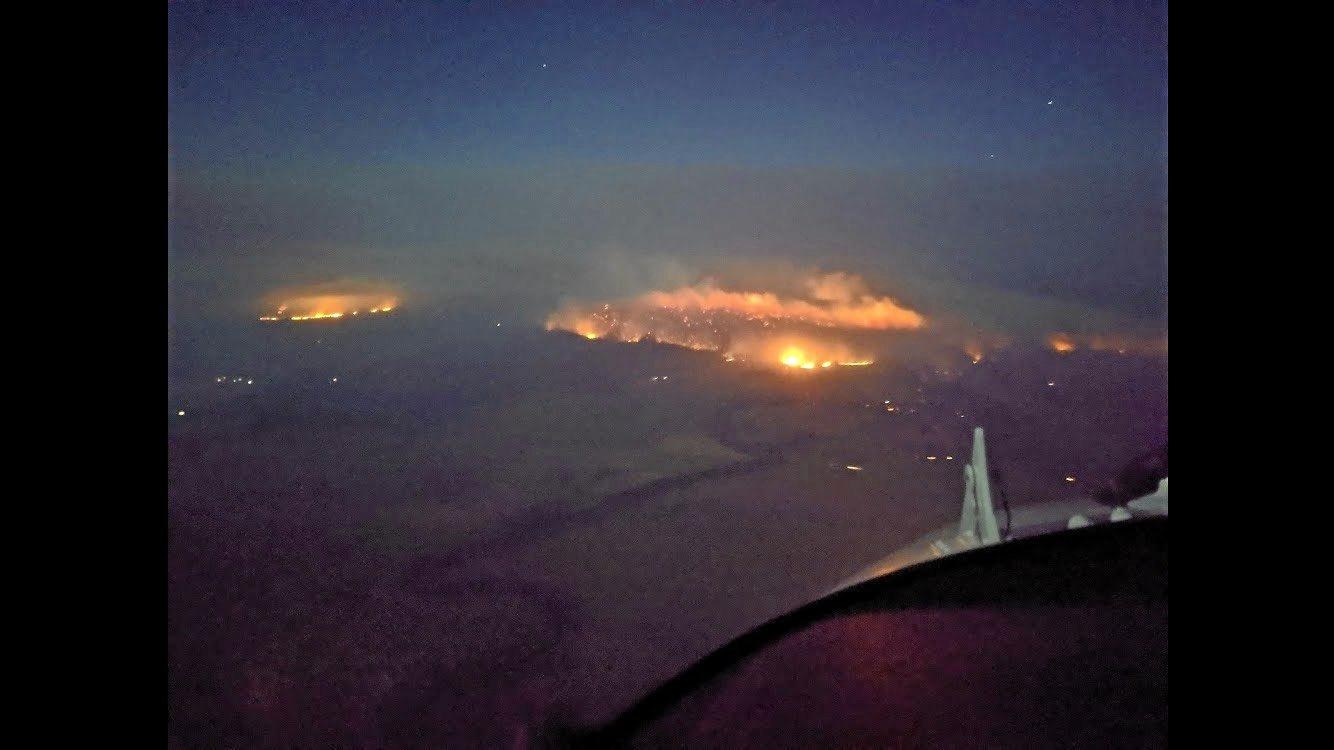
(513, 147)
(859, 84)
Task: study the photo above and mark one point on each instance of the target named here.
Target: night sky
(1019, 146)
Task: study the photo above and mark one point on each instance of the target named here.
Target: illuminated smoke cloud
(334, 300)
(803, 333)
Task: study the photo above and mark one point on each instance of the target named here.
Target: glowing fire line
(330, 307)
(762, 327)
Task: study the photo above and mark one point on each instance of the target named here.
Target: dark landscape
(440, 549)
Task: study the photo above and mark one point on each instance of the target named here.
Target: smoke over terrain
(748, 325)
(521, 354)
(523, 240)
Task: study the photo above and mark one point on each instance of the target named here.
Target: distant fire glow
(329, 302)
(799, 333)
(1064, 343)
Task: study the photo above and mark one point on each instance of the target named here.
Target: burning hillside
(329, 302)
(816, 331)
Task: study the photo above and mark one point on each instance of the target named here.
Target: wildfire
(326, 303)
(798, 357)
(792, 357)
(764, 327)
(1064, 343)
(1061, 343)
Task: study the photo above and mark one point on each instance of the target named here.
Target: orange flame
(747, 325)
(1065, 343)
(1061, 342)
(323, 303)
